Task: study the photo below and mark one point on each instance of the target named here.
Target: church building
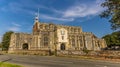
(53, 37)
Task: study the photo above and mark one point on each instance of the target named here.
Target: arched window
(73, 42)
(62, 32)
(72, 30)
(62, 37)
(62, 46)
(46, 41)
(25, 46)
(81, 43)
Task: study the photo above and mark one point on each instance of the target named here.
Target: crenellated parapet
(53, 27)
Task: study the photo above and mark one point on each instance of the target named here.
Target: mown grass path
(4, 64)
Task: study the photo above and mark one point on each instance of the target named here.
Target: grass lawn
(4, 64)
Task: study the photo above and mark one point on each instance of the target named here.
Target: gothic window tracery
(73, 42)
(46, 40)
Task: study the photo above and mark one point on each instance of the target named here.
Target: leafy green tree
(112, 39)
(112, 12)
(0, 45)
(6, 40)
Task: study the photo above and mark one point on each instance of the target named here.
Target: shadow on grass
(5, 61)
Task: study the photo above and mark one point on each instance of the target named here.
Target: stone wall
(110, 54)
(31, 52)
(104, 54)
(73, 52)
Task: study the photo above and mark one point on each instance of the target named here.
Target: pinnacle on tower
(37, 16)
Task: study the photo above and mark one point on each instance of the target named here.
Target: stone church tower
(52, 37)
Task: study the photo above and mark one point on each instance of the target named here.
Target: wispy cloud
(16, 24)
(16, 7)
(69, 14)
(83, 10)
(76, 11)
(55, 18)
(15, 29)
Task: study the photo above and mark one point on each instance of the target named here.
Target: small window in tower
(62, 37)
(62, 32)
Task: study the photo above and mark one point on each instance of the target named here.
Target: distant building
(54, 37)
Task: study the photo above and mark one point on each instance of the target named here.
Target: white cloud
(15, 24)
(69, 14)
(75, 11)
(55, 18)
(84, 10)
(15, 29)
(18, 8)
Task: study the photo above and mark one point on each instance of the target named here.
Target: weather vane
(37, 16)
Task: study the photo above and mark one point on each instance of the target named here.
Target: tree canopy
(112, 12)
(0, 45)
(6, 40)
(112, 39)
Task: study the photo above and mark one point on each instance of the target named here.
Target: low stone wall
(110, 54)
(104, 54)
(31, 52)
(3, 52)
(66, 52)
(77, 52)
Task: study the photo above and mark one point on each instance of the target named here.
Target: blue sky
(18, 15)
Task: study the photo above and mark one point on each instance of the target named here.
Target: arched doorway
(62, 46)
(25, 46)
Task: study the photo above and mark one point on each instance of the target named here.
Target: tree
(6, 40)
(0, 45)
(112, 12)
(112, 39)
